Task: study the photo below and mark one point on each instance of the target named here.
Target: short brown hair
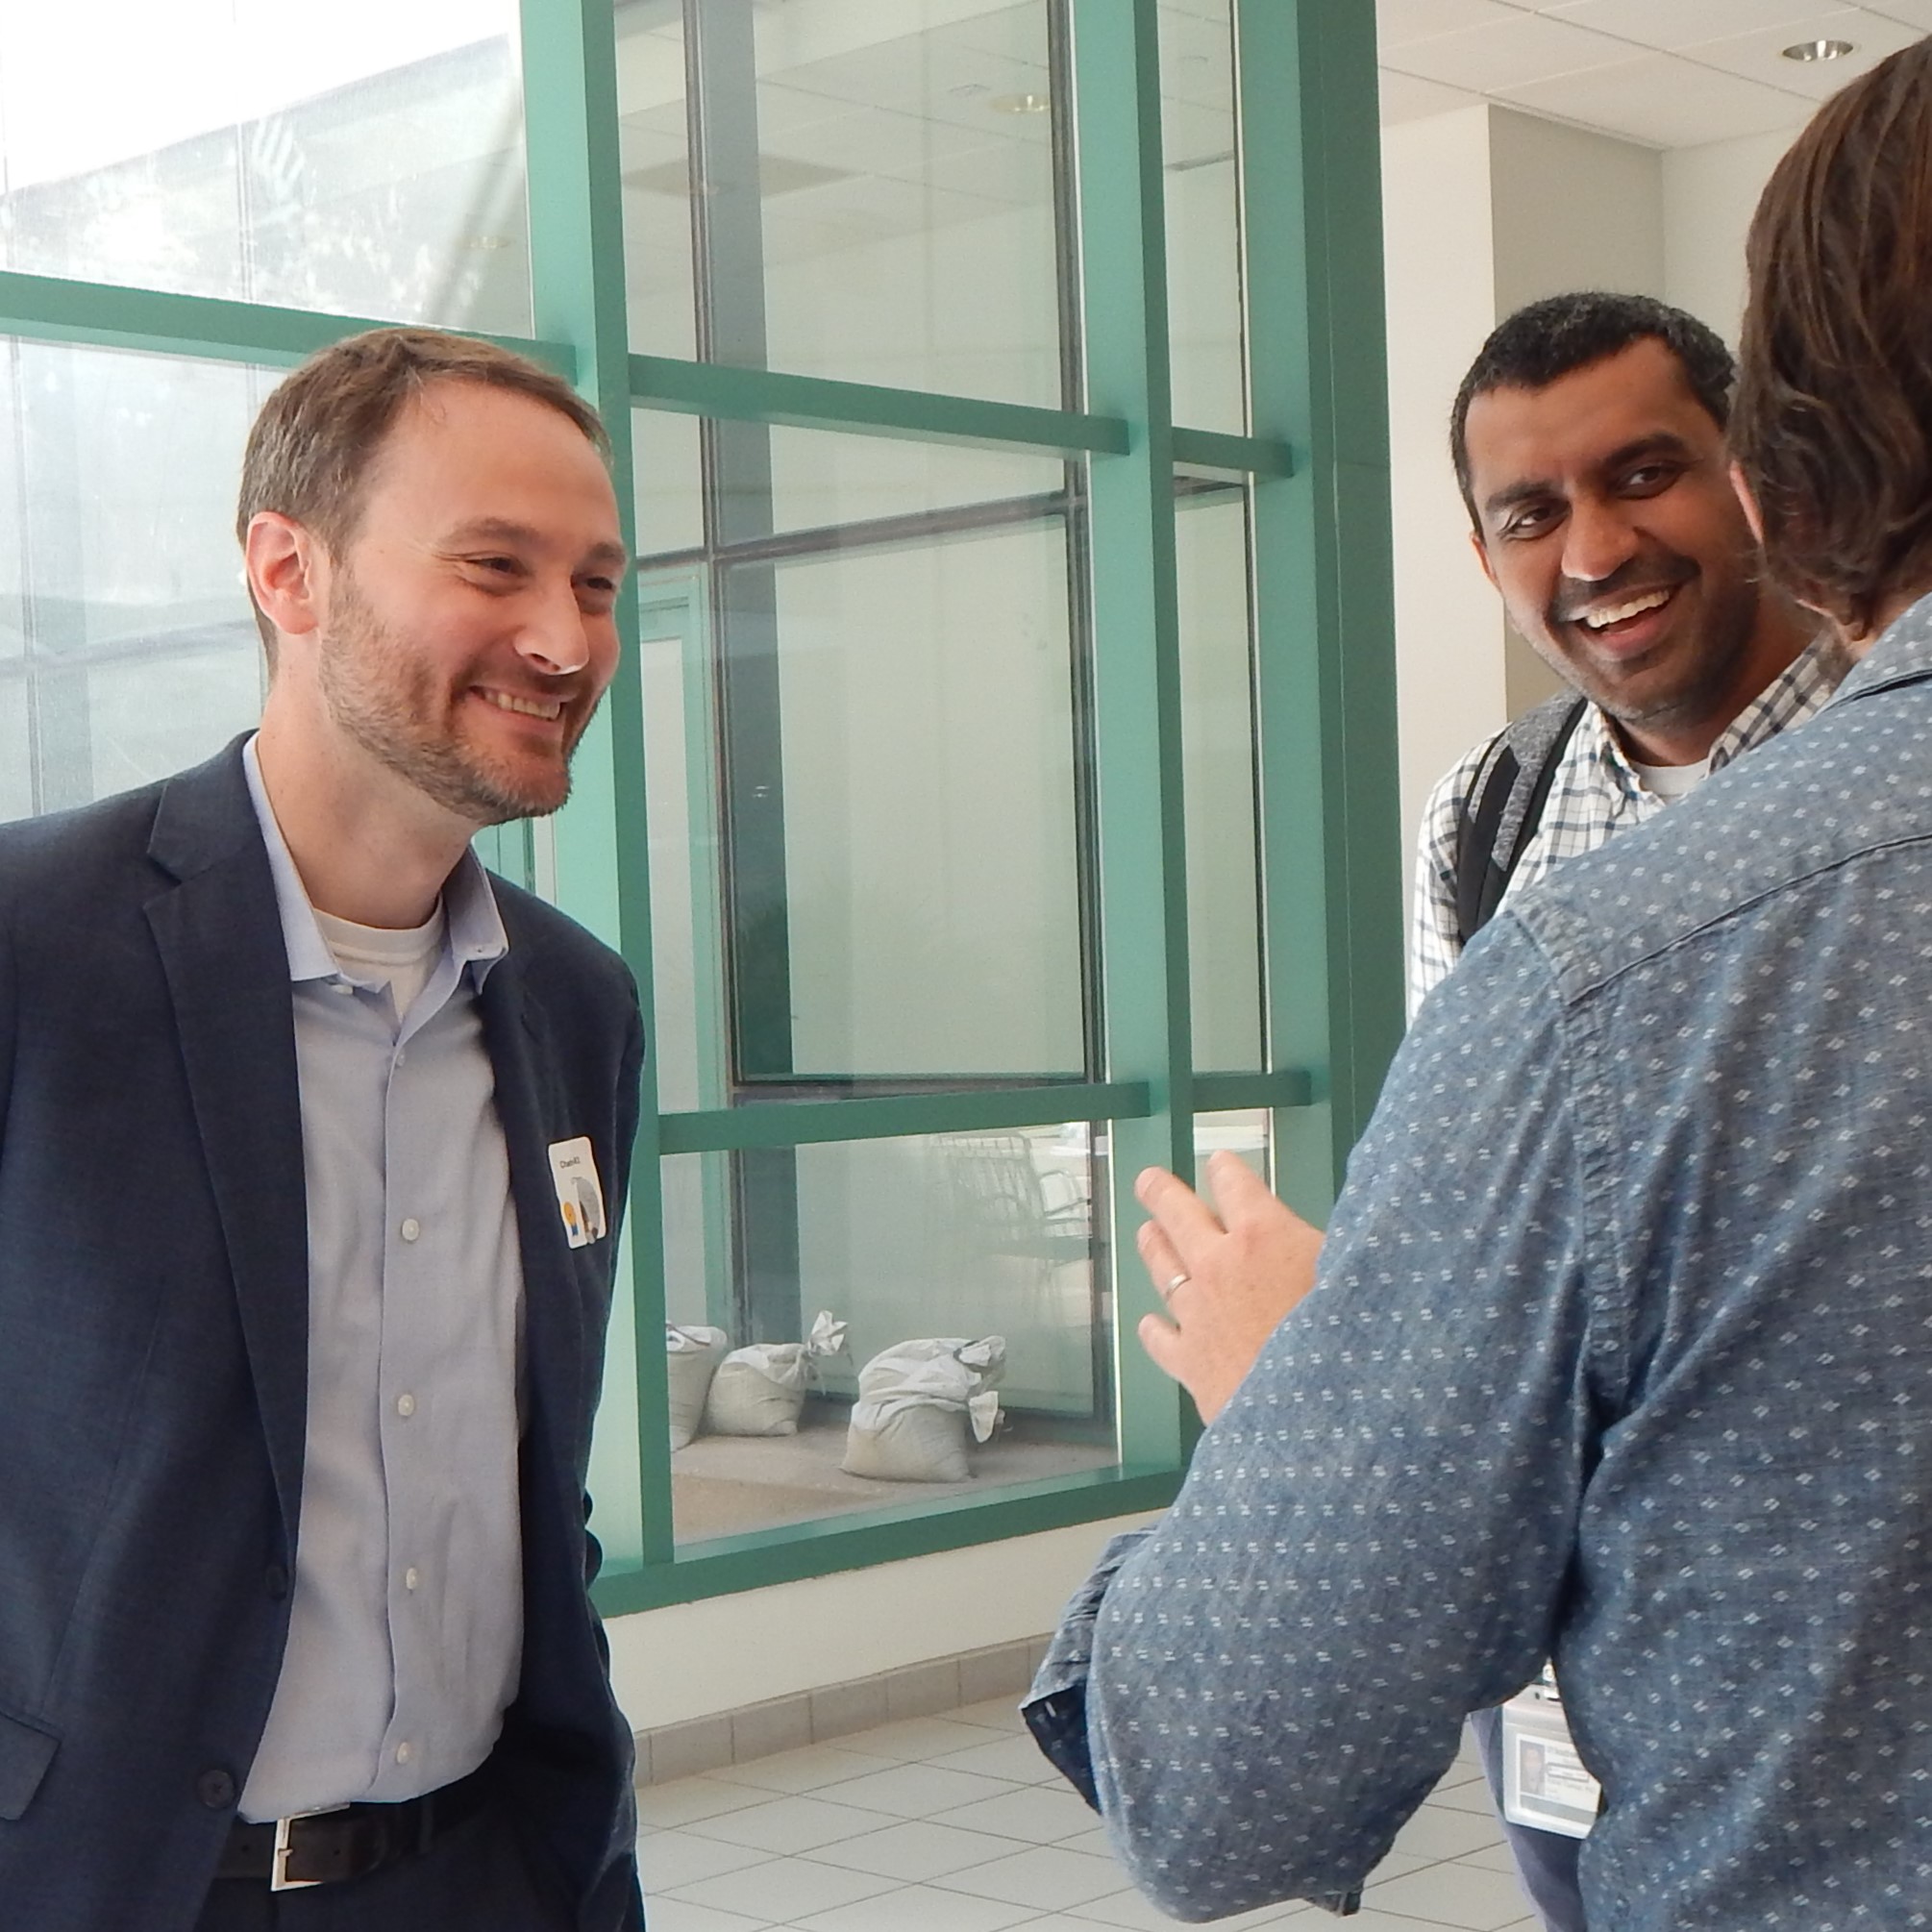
(1832, 423)
(314, 444)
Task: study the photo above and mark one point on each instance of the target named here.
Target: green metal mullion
(1292, 1087)
(896, 1116)
(1238, 456)
(1323, 596)
(102, 315)
(1137, 660)
(745, 395)
(577, 284)
(793, 1551)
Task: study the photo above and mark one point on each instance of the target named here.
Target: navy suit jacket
(153, 1355)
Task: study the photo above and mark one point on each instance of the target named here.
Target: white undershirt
(402, 958)
(1671, 783)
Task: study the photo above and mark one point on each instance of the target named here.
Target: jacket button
(278, 1581)
(215, 1789)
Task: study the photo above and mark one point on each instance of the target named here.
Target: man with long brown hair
(1618, 1350)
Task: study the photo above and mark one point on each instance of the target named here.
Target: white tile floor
(958, 1824)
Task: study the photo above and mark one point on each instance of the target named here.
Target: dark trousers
(475, 1878)
(1546, 1860)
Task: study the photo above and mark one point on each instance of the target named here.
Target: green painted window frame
(1315, 468)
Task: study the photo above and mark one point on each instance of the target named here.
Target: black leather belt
(321, 1847)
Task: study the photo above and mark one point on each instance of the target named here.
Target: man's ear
(287, 569)
(1482, 549)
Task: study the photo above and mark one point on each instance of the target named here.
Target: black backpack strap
(1492, 839)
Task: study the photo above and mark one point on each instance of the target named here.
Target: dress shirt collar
(1902, 653)
(1798, 691)
(474, 934)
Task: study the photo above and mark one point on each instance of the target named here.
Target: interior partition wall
(998, 793)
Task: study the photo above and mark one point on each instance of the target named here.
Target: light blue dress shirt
(404, 1639)
(1620, 1353)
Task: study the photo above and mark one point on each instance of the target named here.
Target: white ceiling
(1669, 73)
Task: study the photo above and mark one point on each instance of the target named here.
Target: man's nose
(1598, 541)
(553, 639)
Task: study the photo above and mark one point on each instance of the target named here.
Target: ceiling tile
(1758, 56)
(1681, 23)
(1913, 13)
(1664, 101)
(1506, 54)
(1400, 22)
(1404, 98)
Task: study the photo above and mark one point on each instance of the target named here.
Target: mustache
(1573, 596)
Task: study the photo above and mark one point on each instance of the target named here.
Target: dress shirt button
(341, 986)
(277, 1580)
(215, 1789)
(403, 1752)
(406, 1405)
(410, 1577)
(410, 1228)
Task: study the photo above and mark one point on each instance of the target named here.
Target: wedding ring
(1176, 1281)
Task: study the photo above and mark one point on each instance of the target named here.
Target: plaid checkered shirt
(1595, 794)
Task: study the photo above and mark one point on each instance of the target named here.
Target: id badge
(1544, 1782)
(580, 1196)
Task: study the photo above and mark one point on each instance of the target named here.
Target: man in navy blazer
(298, 1348)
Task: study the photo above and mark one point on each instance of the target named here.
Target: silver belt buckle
(279, 1879)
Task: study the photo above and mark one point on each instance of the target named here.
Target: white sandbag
(918, 1401)
(691, 1358)
(760, 1391)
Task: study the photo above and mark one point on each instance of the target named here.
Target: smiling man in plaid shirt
(1589, 444)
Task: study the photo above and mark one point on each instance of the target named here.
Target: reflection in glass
(1245, 1132)
(1217, 727)
(651, 161)
(127, 646)
(1204, 222)
(228, 148)
(820, 480)
(916, 897)
(953, 1237)
(875, 192)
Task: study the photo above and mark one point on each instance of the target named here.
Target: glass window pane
(1203, 233)
(1217, 725)
(669, 482)
(127, 645)
(951, 1237)
(877, 195)
(821, 480)
(1245, 1132)
(902, 779)
(652, 157)
(230, 148)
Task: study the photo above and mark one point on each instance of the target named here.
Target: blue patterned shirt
(1620, 1352)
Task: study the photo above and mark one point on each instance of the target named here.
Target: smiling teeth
(1617, 614)
(527, 708)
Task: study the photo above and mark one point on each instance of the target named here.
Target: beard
(393, 703)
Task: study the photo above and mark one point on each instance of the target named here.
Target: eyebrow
(505, 529)
(1663, 443)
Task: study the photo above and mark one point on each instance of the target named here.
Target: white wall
(695, 1659)
(1709, 195)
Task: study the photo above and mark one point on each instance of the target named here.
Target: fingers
(1185, 1218)
(1161, 1259)
(1162, 1342)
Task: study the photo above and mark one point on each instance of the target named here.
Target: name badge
(580, 1196)
(1543, 1781)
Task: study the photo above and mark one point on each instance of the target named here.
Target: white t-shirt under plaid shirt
(1595, 794)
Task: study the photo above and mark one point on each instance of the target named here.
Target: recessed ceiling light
(1021, 104)
(1819, 50)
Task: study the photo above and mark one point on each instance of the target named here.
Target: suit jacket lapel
(227, 971)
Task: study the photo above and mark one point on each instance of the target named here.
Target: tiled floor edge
(672, 1751)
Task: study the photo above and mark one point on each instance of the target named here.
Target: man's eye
(496, 566)
(1650, 479)
(1530, 521)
